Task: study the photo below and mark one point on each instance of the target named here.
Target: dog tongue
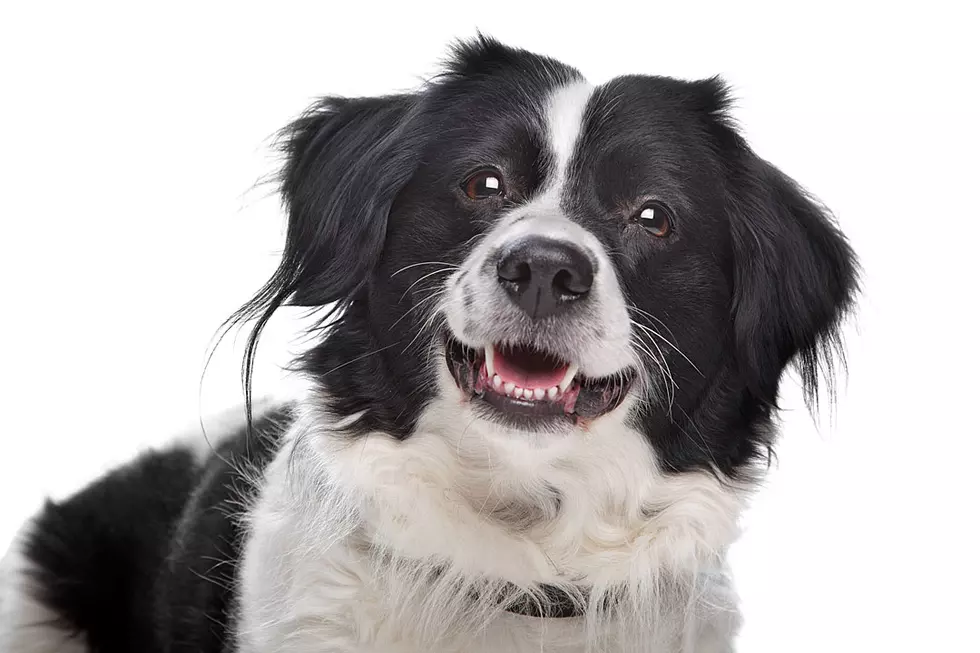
(527, 368)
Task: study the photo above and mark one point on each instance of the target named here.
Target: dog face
(567, 253)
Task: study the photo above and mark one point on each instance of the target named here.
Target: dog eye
(484, 184)
(655, 218)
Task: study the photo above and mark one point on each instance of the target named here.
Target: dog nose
(543, 275)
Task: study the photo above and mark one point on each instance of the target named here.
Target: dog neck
(455, 527)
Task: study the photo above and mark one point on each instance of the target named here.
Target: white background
(131, 225)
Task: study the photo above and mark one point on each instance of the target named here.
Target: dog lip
(525, 407)
(574, 398)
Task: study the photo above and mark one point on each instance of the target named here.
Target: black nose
(543, 275)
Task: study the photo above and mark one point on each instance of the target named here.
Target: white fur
(565, 112)
(347, 532)
(27, 626)
(373, 544)
(596, 354)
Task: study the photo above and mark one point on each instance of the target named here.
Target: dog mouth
(524, 382)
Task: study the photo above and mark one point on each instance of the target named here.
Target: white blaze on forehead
(565, 113)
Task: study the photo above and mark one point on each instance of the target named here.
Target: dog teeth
(509, 389)
(488, 354)
(568, 378)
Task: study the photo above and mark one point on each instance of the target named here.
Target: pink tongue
(527, 371)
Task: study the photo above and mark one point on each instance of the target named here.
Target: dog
(556, 316)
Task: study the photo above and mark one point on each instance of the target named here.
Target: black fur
(753, 277)
(144, 559)
(97, 555)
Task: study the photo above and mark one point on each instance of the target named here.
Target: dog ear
(795, 279)
(345, 161)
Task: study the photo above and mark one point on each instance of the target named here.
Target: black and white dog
(562, 312)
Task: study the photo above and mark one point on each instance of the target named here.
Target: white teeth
(568, 378)
(511, 390)
(488, 353)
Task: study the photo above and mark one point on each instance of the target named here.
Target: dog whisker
(653, 332)
(417, 306)
(423, 278)
(415, 265)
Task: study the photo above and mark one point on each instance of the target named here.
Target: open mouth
(524, 382)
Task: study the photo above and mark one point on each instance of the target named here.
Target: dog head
(550, 254)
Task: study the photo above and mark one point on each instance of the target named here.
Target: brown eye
(484, 184)
(655, 218)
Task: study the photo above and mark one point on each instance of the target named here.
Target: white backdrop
(131, 225)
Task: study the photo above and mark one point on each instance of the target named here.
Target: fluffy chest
(379, 545)
(340, 604)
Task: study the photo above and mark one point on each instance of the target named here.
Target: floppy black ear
(346, 159)
(795, 279)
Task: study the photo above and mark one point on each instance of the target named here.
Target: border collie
(558, 317)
